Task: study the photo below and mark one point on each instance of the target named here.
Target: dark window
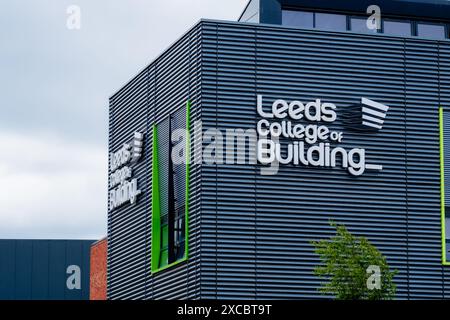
(329, 21)
(431, 31)
(397, 28)
(169, 189)
(177, 193)
(338, 22)
(360, 25)
(301, 19)
(447, 233)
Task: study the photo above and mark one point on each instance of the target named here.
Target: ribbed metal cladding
(263, 225)
(128, 230)
(157, 91)
(444, 84)
(250, 234)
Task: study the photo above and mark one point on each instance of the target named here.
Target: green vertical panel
(156, 212)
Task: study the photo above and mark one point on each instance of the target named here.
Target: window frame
(346, 16)
(445, 25)
(300, 10)
(350, 17)
(411, 27)
(156, 229)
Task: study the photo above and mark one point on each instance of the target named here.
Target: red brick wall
(98, 270)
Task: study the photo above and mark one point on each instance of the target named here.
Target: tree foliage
(345, 262)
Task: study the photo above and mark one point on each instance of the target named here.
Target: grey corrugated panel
(159, 89)
(422, 58)
(337, 93)
(444, 78)
(249, 233)
(176, 82)
(127, 115)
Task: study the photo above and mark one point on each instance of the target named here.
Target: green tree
(353, 269)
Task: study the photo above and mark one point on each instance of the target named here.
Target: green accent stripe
(442, 165)
(156, 207)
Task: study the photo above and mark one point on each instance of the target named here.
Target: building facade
(362, 134)
(44, 269)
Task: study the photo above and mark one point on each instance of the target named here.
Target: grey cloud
(54, 98)
(57, 79)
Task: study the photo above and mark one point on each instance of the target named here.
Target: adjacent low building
(44, 269)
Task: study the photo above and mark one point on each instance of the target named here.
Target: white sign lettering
(121, 177)
(314, 142)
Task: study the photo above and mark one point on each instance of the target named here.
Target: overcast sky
(55, 85)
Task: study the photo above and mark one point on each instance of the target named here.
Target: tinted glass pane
(251, 12)
(165, 236)
(333, 22)
(431, 31)
(448, 252)
(397, 28)
(300, 19)
(447, 227)
(179, 166)
(360, 25)
(254, 18)
(164, 258)
(163, 153)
